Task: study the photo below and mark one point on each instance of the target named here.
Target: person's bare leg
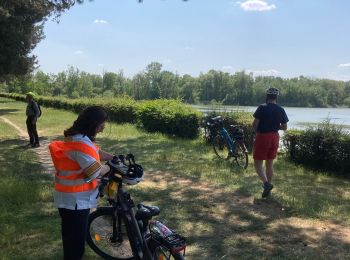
(258, 164)
(269, 170)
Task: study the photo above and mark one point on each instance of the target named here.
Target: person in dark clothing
(268, 119)
(32, 113)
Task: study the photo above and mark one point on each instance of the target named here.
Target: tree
(21, 29)
(189, 89)
(109, 79)
(153, 75)
(72, 83)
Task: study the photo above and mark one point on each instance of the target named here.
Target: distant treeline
(211, 87)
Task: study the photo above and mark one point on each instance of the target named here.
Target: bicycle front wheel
(241, 155)
(220, 147)
(106, 238)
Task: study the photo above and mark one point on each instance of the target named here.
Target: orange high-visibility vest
(71, 182)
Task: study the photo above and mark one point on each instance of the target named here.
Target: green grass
(6, 130)
(202, 197)
(303, 191)
(27, 216)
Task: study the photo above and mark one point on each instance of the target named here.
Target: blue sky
(284, 38)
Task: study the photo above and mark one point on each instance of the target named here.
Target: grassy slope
(302, 193)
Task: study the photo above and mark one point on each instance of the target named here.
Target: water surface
(299, 117)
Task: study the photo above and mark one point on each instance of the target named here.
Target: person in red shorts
(268, 119)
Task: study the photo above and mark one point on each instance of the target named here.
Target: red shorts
(266, 146)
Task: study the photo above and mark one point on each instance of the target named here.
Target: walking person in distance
(32, 113)
(269, 118)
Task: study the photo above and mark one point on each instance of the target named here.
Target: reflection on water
(299, 117)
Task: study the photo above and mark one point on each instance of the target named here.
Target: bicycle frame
(230, 141)
(124, 208)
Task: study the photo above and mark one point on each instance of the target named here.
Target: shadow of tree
(219, 222)
(5, 111)
(222, 223)
(226, 224)
(28, 219)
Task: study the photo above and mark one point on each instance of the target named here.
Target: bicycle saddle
(146, 212)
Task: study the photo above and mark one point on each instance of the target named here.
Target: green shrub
(169, 116)
(323, 147)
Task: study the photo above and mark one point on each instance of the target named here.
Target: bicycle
(118, 232)
(227, 143)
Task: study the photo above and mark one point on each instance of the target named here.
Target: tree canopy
(212, 87)
(21, 29)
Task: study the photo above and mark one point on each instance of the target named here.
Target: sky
(285, 38)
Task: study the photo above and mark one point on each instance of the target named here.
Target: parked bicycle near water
(117, 232)
(227, 143)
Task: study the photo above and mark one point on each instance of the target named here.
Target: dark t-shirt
(270, 117)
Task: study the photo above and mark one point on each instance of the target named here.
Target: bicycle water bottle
(160, 229)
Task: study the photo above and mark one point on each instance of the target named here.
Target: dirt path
(42, 151)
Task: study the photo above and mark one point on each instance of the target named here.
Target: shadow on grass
(226, 224)
(313, 194)
(6, 111)
(29, 223)
(221, 223)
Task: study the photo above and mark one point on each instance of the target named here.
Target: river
(299, 117)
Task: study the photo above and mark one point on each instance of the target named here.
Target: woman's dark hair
(87, 122)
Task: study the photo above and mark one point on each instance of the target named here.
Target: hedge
(170, 117)
(167, 116)
(324, 147)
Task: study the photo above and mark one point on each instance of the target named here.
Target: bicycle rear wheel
(220, 147)
(241, 155)
(103, 236)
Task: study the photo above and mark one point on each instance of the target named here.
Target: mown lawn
(214, 203)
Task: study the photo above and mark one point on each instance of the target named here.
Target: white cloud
(100, 21)
(78, 52)
(227, 67)
(270, 72)
(344, 65)
(256, 5)
(100, 65)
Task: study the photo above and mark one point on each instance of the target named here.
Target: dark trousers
(33, 134)
(74, 229)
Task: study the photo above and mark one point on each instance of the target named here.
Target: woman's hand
(105, 169)
(104, 156)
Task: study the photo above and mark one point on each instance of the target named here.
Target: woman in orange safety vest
(77, 163)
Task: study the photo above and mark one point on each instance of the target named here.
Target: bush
(169, 116)
(323, 147)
